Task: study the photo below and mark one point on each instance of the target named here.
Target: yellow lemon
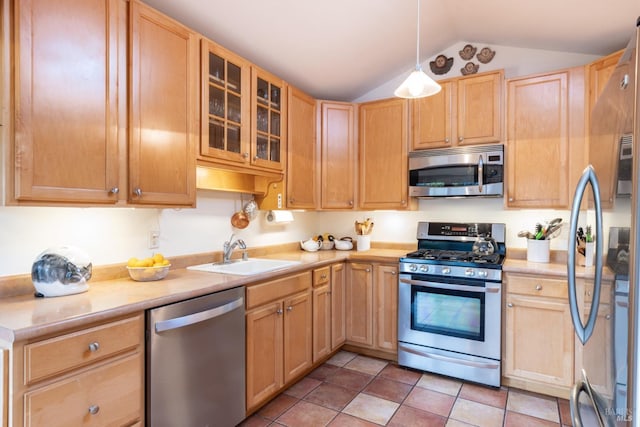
(157, 258)
(140, 263)
(132, 262)
(165, 262)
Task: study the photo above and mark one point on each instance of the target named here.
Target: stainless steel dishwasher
(195, 362)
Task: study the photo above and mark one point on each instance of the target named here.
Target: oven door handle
(450, 359)
(465, 288)
(480, 173)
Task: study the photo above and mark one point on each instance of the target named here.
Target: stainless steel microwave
(457, 172)
(625, 165)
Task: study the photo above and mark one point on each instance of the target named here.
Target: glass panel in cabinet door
(274, 155)
(216, 102)
(234, 111)
(233, 139)
(275, 124)
(275, 97)
(262, 119)
(216, 69)
(216, 134)
(263, 91)
(234, 77)
(262, 147)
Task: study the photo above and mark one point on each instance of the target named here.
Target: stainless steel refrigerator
(606, 391)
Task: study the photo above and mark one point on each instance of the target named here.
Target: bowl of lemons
(148, 269)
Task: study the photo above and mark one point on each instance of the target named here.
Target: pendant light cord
(418, 39)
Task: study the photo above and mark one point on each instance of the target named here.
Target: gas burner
(454, 256)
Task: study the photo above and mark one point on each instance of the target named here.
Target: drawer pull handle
(323, 276)
(538, 287)
(94, 346)
(94, 409)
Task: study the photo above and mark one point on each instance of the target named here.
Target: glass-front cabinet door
(225, 104)
(269, 120)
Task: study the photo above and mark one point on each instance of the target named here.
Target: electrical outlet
(154, 239)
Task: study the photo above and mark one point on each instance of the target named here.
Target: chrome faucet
(229, 246)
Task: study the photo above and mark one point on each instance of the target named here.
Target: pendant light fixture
(418, 84)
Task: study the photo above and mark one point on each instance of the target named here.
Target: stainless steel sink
(247, 267)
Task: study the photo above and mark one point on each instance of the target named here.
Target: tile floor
(354, 390)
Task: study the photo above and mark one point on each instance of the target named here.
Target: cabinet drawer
(108, 395)
(277, 289)
(538, 286)
(321, 276)
(61, 354)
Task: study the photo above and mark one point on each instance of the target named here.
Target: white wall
(515, 62)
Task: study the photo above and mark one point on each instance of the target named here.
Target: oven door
(453, 314)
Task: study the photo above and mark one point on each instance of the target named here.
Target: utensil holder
(538, 250)
(363, 242)
(586, 260)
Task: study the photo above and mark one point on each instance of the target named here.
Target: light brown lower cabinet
(541, 352)
(279, 335)
(372, 307)
(328, 310)
(92, 376)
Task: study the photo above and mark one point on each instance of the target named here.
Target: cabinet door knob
(350, 202)
(94, 409)
(509, 304)
(608, 316)
(538, 287)
(114, 190)
(289, 308)
(460, 139)
(279, 311)
(446, 140)
(94, 346)
(245, 155)
(393, 273)
(367, 270)
(137, 192)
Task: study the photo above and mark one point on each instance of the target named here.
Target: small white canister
(538, 250)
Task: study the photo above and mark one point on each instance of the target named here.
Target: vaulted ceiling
(341, 49)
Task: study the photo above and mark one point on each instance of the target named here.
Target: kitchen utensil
(525, 233)
(251, 209)
(343, 245)
(484, 245)
(240, 220)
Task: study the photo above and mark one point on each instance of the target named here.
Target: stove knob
(446, 270)
(424, 268)
(413, 267)
(469, 272)
(482, 273)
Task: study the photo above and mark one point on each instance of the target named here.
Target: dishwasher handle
(190, 319)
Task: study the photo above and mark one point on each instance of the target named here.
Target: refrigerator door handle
(597, 402)
(584, 331)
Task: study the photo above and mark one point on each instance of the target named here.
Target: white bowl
(310, 245)
(148, 274)
(343, 245)
(327, 245)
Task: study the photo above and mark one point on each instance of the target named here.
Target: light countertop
(25, 317)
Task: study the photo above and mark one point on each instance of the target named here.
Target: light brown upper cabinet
(383, 150)
(301, 155)
(269, 121)
(163, 111)
(69, 85)
(467, 111)
(225, 105)
(337, 155)
(603, 147)
(545, 138)
(87, 133)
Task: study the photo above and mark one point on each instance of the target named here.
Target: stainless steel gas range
(450, 293)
